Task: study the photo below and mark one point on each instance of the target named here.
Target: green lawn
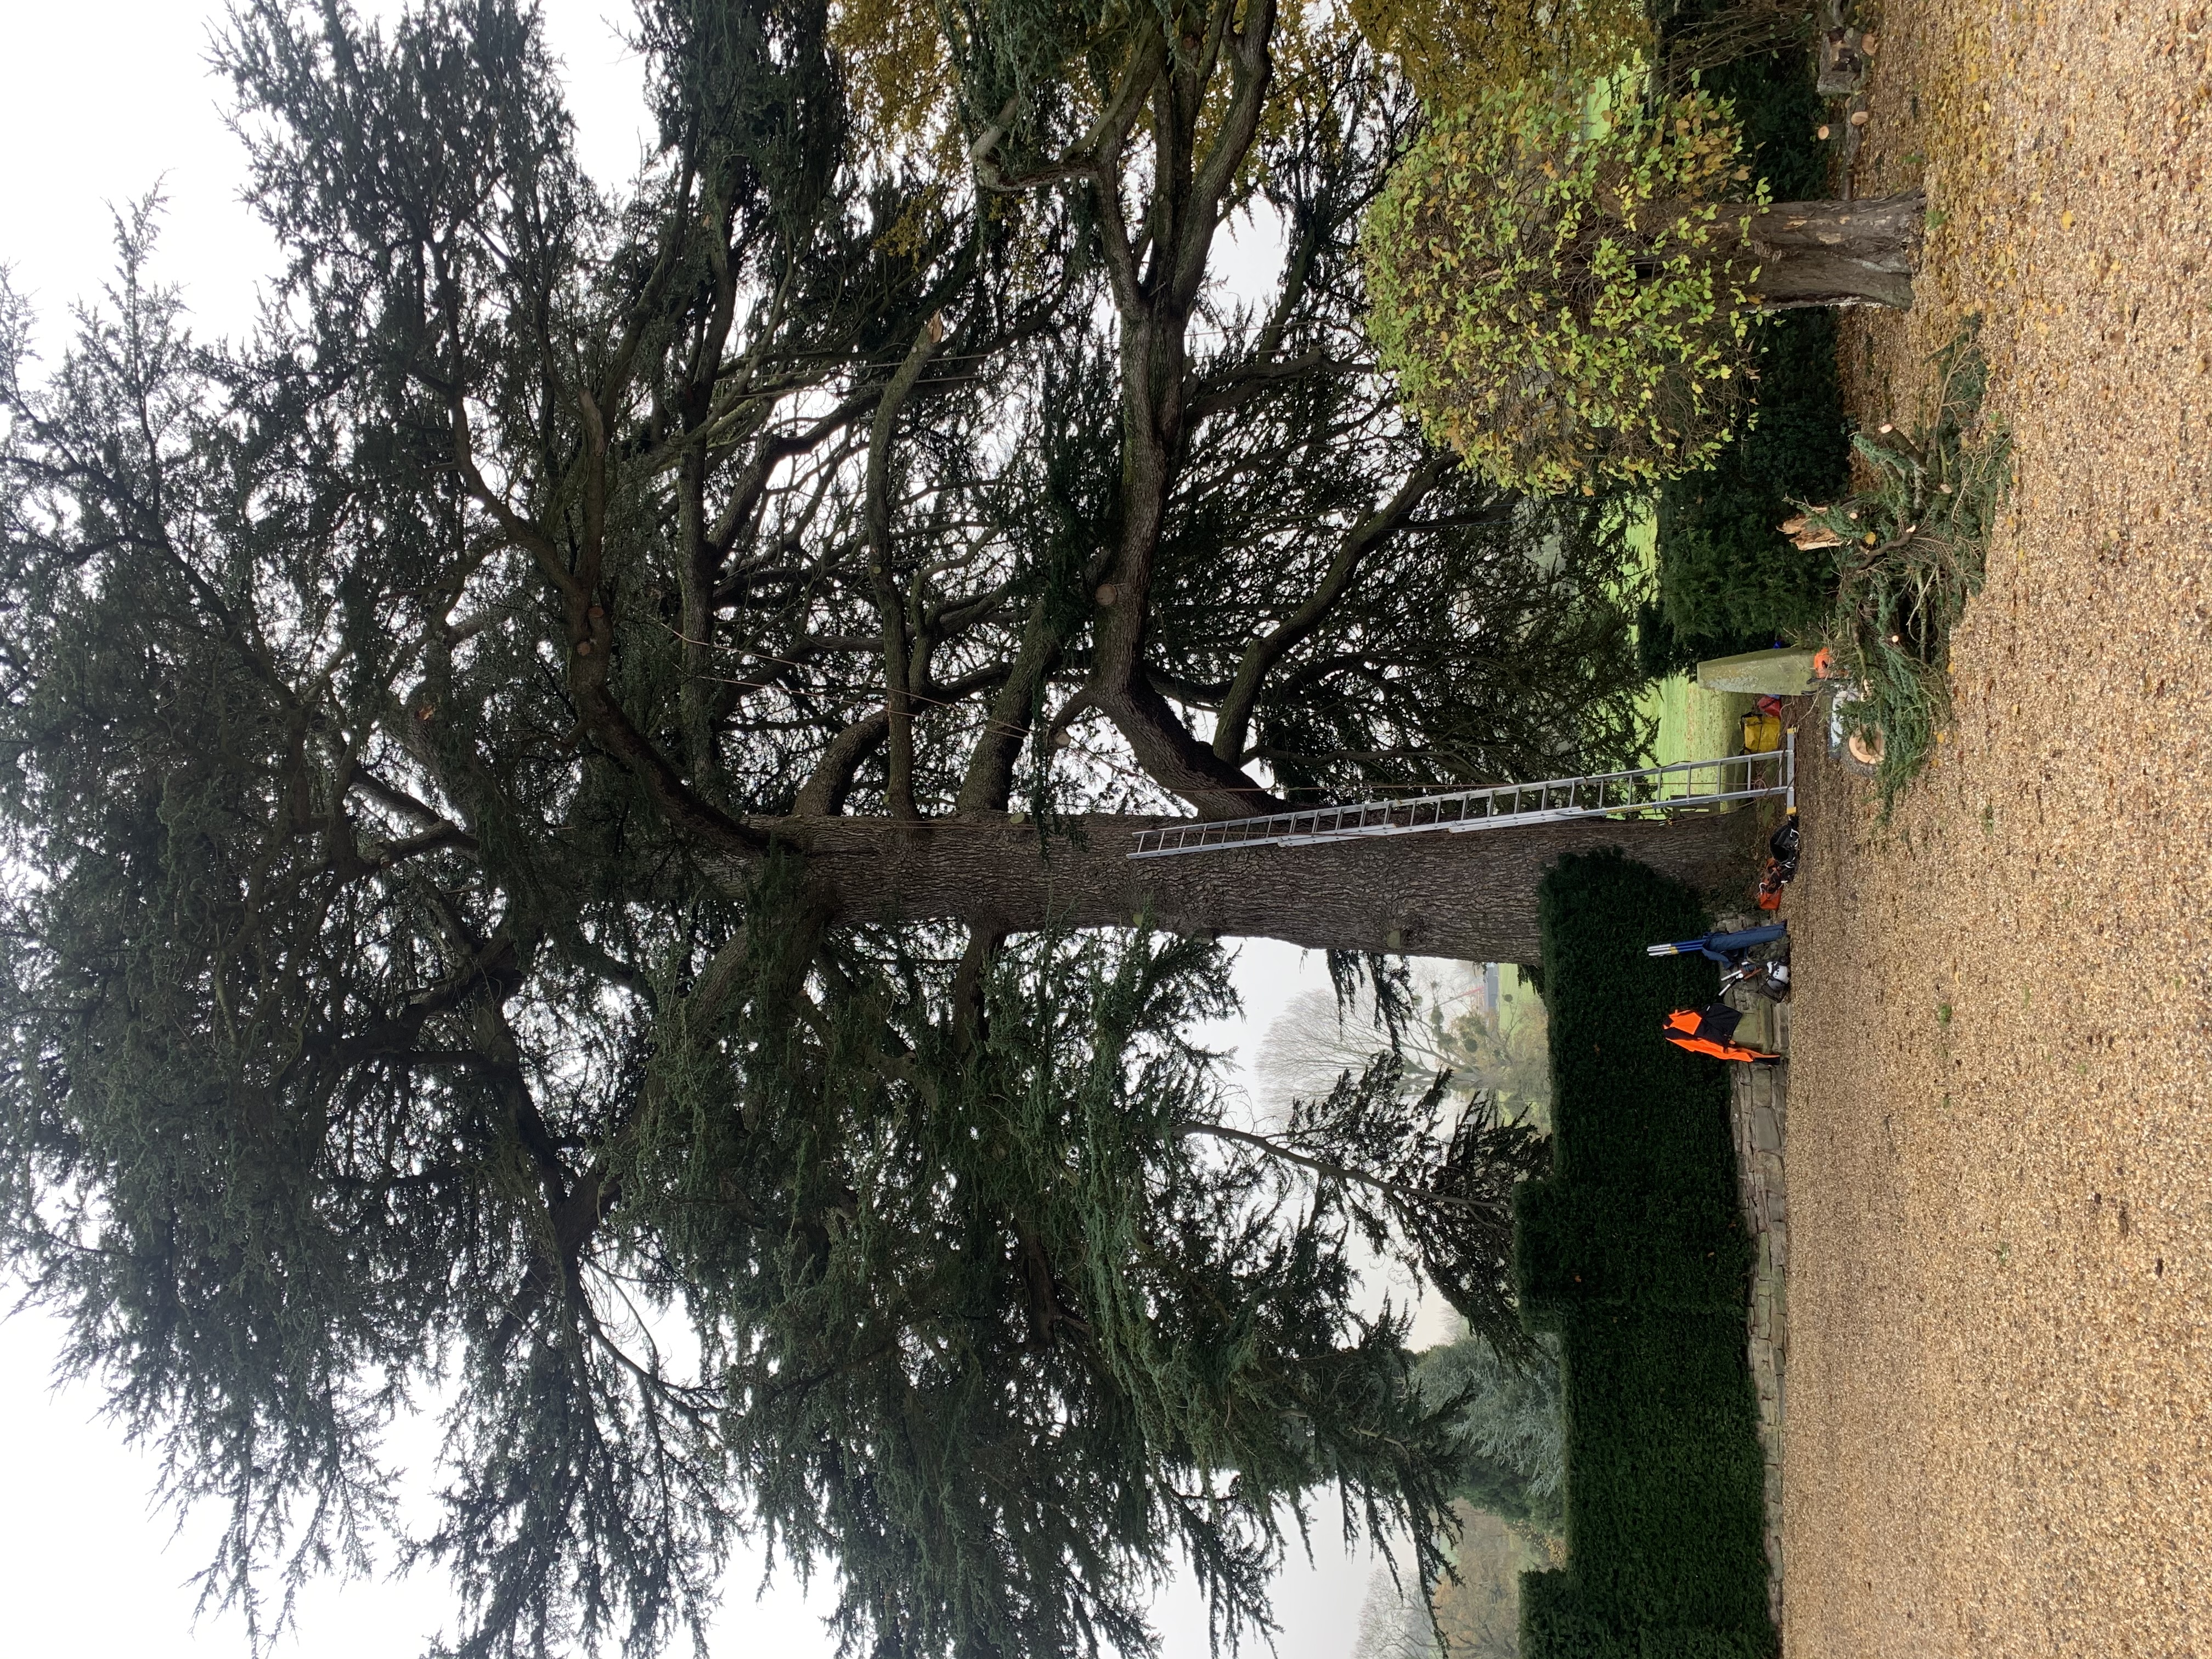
(1694, 724)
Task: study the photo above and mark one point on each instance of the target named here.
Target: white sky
(103, 103)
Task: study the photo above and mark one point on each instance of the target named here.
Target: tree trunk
(1837, 254)
(1471, 896)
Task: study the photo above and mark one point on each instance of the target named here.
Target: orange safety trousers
(1720, 1050)
(1686, 1029)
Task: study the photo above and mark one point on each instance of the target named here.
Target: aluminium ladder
(1684, 786)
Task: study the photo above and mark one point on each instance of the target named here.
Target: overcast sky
(103, 103)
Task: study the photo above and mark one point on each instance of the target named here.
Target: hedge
(1633, 1250)
(1666, 1484)
(1554, 1622)
(1625, 1106)
(1728, 580)
(1584, 1246)
(1690, 1642)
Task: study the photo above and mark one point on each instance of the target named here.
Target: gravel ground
(2000, 1154)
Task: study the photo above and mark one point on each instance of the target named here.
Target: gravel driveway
(2000, 1132)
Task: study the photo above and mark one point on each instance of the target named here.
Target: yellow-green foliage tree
(1506, 1050)
(1454, 51)
(898, 80)
(1566, 297)
(897, 57)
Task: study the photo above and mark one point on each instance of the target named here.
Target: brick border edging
(1759, 1110)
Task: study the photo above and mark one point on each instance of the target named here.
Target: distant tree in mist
(1442, 1025)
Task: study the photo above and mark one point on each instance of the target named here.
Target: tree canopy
(1454, 52)
(566, 803)
(1564, 292)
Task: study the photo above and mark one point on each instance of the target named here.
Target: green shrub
(1555, 1624)
(1666, 1484)
(1689, 1642)
(1627, 1107)
(1660, 651)
(1665, 1481)
(1578, 1247)
(1564, 299)
(1728, 580)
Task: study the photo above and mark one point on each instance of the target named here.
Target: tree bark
(1156, 281)
(1471, 896)
(1837, 254)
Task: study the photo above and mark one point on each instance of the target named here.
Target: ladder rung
(1681, 785)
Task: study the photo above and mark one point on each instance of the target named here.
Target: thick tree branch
(1251, 71)
(1184, 214)
(989, 781)
(831, 780)
(1233, 725)
(1471, 896)
(1243, 384)
(1275, 1149)
(891, 593)
(602, 716)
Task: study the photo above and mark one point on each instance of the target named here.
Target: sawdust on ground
(2000, 1156)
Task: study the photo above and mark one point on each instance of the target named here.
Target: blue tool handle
(1723, 948)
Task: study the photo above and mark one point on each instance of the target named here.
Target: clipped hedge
(1554, 1622)
(1728, 580)
(1690, 1642)
(1632, 1250)
(1627, 1107)
(1592, 1247)
(1666, 1485)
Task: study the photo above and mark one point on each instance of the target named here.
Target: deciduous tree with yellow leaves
(1564, 281)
